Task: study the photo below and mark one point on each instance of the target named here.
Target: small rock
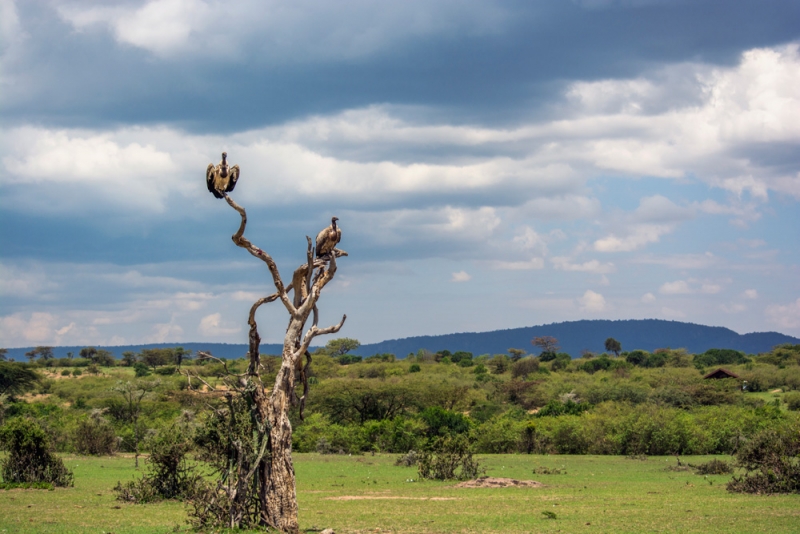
(328, 531)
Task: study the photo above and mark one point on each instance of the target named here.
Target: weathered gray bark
(273, 469)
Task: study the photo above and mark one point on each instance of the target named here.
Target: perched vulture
(328, 238)
(222, 178)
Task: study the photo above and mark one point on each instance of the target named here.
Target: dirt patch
(387, 497)
(495, 482)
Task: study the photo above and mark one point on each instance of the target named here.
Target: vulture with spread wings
(222, 178)
(328, 238)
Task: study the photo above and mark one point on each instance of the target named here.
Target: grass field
(370, 494)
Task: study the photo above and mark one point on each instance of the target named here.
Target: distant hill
(573, 337)
(576, 336)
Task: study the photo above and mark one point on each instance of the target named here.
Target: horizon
(493, 165)
(187, 342)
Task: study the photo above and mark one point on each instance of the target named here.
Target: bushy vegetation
(771, 460)
(30, 457)
(169, 473)
(633, 403)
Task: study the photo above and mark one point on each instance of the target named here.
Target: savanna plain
(614, 440)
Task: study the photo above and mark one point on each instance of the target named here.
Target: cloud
(678, 287)
(592, 302)
(37, 328)
(591, 266)
(680, 261)
(733, 308)
(785, 315)
(211, 325)
(461, 276)
(647, 298)
(277, 31)
(532, 264)
(636, 237)
(710, 289)
(671, 312)
(750, 294)
(655, 216)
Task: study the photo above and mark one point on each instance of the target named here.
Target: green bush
(719, 357)
(169, 474)
(94, 436)
(141, 369)
(414, 368)
(449, 457)
(30, 456)
(771, 461)
(792, 400)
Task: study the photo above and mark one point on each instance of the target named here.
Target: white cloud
(733, 308)
(461, 276)
(671, 312)
(165, 333)
(591, 266)
(637, 237)
(710, 289)
(787, 316)
(647, 298)
(212, 325)
(750, 294)
(532, 264)
(21, 329)
(592, 302)
(680, 261)
(678, 287)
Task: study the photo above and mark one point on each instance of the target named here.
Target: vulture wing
(233, 176)
(210, 178)
(321, 238)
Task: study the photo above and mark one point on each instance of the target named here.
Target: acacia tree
(612, 345)
(261, 461)
(134, 393)
(548, 344)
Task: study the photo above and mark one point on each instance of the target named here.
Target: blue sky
(493, 164)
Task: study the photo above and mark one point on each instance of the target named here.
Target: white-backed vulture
(222, 178)
(328, 238)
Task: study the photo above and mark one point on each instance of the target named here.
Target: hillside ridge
(573, 336)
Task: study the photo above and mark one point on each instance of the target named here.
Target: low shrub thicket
(30, 457)
(771, 460)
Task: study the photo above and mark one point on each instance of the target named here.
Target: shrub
(95, 436)
(65, 372)
(719, 357)
(714, 467)
(408, 459)
(441, 421)
(561, 361)
(166, 371)
(771, 460)
(169, 474)
(450, 457)
(524, 367)
(141, 369)
(792, 400)
(414, 368)
(30, 457)
(77, 372)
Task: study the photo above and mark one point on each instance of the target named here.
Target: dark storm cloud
(87, 78)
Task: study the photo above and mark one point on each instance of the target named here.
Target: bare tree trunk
(273, 469)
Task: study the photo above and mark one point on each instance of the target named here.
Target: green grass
(613, 494)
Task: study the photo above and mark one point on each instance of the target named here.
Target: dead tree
(260, 487)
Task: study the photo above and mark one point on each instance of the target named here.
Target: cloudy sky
(493, 164)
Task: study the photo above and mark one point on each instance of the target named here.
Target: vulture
(328, 238)
(222, 178)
